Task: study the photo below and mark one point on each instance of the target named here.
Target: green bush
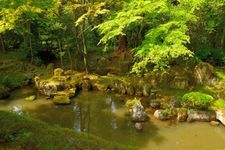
(197, 100)
(219, 104)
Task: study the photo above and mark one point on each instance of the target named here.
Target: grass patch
(27, 133)
(197, 100)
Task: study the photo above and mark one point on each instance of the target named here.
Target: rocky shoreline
(64, 85)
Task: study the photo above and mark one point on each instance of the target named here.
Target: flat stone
(220, 115)
(199, 115)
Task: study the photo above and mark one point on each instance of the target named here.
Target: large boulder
(199, 115)
(180, 82)
(203, 73)
(220, 115)
(138, 114)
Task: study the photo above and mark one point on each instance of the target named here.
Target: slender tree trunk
(61, 53)
(122, 45)
(84, 47)
(2, 48)
(70, 59)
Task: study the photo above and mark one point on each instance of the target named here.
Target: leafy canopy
(165, 35)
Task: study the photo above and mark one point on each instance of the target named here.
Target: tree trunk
(2, 47)
(122, 44)
(84, 46)
(60, 53)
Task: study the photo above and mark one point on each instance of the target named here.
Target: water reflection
(104, 115)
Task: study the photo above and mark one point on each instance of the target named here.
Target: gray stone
(199, 115)
(175, 103)
(203, 73)
(155, 104)
(161, 115)
(182, 115)
(146, 90)
(220, 115)
(138, 114)
(138, 126)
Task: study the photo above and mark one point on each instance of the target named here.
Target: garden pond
(104, 115)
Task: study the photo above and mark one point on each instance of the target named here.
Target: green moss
(220, 73)
(219, 104)
(131, 102)
(61, 99)
(28, 133)
(30, 98)
(197, 100)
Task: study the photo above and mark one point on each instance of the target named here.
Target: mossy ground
(23, 132)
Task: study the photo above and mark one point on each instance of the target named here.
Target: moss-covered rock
(58, 72)
(61, 100)
(204, 73)
(197, 100)
(30, 98)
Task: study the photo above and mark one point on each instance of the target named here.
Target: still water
(104, 115)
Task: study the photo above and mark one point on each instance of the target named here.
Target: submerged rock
(138, 126)
(220, 115)
(214, 123)
(61, 99)
(199, 115)
(30, 98)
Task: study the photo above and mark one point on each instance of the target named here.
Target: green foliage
(132, 102)
(212, 55)
(12, 79)
(219, 104)
(166, 35)
(197, 100)
(220, 73)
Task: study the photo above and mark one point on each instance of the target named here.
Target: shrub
(197, 100)
(219, 104)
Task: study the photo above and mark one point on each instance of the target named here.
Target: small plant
(131, 102)
(197, 100)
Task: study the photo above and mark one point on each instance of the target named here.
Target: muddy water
(104, 115)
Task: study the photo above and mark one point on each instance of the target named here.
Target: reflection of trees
(82, 112)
